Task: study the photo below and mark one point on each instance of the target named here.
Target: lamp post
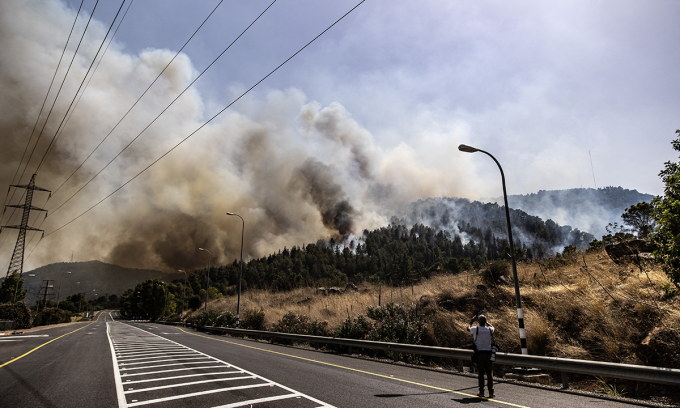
(240, 276)
(166, 300)
(80, 299)
(207, 278)
(184, 294)
(59, 294)
(520, 315)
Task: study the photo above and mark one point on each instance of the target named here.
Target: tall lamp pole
(207, 278)
(240, 276)
(59, 295)
(520, 315)
(184, 295)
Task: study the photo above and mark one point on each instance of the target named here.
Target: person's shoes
(492, 395)
(480, 395)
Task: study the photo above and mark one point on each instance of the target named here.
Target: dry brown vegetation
(584, 306)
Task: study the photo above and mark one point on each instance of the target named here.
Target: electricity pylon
(17, 262)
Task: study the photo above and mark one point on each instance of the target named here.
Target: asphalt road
(110, 363)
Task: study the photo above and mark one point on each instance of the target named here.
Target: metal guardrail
(658, 375)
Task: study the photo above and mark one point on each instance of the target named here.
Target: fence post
(565, 381)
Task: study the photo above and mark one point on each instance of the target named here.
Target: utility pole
(17, 262)
(47, 286)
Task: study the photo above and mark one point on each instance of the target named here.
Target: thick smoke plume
(294, 170)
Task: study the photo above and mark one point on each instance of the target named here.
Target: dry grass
(567, 312)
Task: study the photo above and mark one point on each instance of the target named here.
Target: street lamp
(240, 276)
(166, 299)
(207, 278)
(59, 294)
(520, 315)
(184, 295)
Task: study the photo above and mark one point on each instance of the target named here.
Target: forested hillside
(473, 220)
(395, 254)
(585, 208)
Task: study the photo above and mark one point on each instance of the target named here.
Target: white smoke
(295, 170)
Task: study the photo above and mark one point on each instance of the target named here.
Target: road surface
(116, 363)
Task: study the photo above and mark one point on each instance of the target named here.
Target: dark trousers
(484, 366)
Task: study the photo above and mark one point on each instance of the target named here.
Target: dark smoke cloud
(315, 181)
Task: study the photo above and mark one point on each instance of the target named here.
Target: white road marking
(180, 376)
(179, 369)
(212, 380)
(195, 394)
(24, 336)
(163, 361)
(260, 400)
(150, 358)
(125, 361)
(163, 365)
(116, 374)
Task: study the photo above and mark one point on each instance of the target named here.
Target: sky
(366, 118)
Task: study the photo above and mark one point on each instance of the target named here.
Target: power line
(59, 91)
(159, 75)
(54, 138)
(138, 99)
(163, 111)
(96, 68)
(74, 97)
(7, 197)
(208, 121)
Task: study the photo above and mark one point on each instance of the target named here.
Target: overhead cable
(138, 99)
(162, 112)
(59, 91)
(54, 138)
(37, 119)
(208, 121)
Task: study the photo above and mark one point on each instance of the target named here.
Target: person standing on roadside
(483, 337)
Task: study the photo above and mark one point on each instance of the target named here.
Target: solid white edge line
(322, 404)
(122, 402)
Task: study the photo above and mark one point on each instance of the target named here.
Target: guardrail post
(461, 367)
(350, 350)
(565, 381)
(396, 356)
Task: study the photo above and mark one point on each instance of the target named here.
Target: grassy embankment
(567, 312)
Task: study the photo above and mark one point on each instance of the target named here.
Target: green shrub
(253, 320)
(390, 323)
(51, 315)
(300, 324)
(396, 324)
(207, 318)
(357, 328)
(18, 312)
(226, 319)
